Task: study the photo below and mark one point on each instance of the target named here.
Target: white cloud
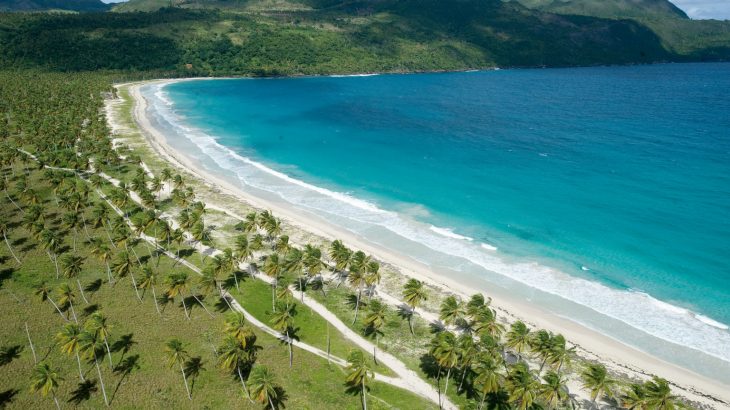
(705, 9)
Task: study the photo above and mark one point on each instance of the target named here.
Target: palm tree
(451, 310)
(359, 374)
(176, 354)
(66, 299)
(44, 292)
(249, 224)
(445, 349)
(596, 379)
(104, 254)
(71, 221)
(294, 263)
(273, 268)
(518, 338)
(51, 243)
(148, 281)
(91, 343)
(71, 266)
(283, 321)
(541, 344)
(560, 354)
(488, 375)
(468, 353)
(45, 380)
(233, 355)
(635, 397)
(314, 264)
(264, 388)
(282, 245)
(69, 337)
(659, 396)
(98, 325)
(554, 392)
(413, 293)
(357, 280)
(4, 230)
(177, 285)
(522, 386)
(122, 267)
(374, 322)
(236, 326)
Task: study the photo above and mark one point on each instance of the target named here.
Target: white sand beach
(590, 345)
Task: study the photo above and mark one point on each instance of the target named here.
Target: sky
(696, 9)
(705, 9)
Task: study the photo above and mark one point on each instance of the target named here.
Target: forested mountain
(650, 9)
(42, 5)
(288, 37)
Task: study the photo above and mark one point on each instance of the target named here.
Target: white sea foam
(449, 233)
(657, 318)
(488, 246)
(705, 319)
(585, 268)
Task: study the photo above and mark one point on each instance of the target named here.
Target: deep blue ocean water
(603, 188)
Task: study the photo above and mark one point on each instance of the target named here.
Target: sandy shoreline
(592, 345)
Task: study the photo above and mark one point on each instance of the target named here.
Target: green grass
(311, 383)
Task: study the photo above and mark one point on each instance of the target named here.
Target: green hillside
(39, 5)
(653, 9)
(288, 37)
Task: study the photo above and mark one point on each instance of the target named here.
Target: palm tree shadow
(124, 345)
(125, 368)
(8, 354)
(281, 397)
(83, 391)
(7, 397)
(192, 368)
(93, 286)
(91, 309)
(429, 366)
(351, 301)
(5, 274)
(221, 305)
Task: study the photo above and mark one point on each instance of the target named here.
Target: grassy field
(140, 377)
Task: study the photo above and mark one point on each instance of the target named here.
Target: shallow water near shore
(599, 194)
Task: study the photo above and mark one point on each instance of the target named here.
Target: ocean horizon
(601, 195)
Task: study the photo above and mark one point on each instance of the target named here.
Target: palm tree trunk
(10, 248)
(203, 306)
(73, 311)
(11, 200)
(481, 402)
(235, 279)
(185, 379)
(55, 400)
(32, 349)
(86, 230)
(410, 321)
(82, 291)
(271, 403)
(101, 380)
(273, 296)
(463, 376)
(357, 305)
(375, 348)
(328, 343)
(245, 389)
(364, 395)
(291, 353)
(134, 285)
(57, 309)
(109, 272)
(184, 306)
(446, 386)
(438, 385)
(81, 372)
(154, 296)
(109, 351)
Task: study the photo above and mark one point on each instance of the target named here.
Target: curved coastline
(592, 344)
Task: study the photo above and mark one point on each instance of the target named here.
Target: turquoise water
(605, 191)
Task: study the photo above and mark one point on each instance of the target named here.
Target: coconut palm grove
(128, 282)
